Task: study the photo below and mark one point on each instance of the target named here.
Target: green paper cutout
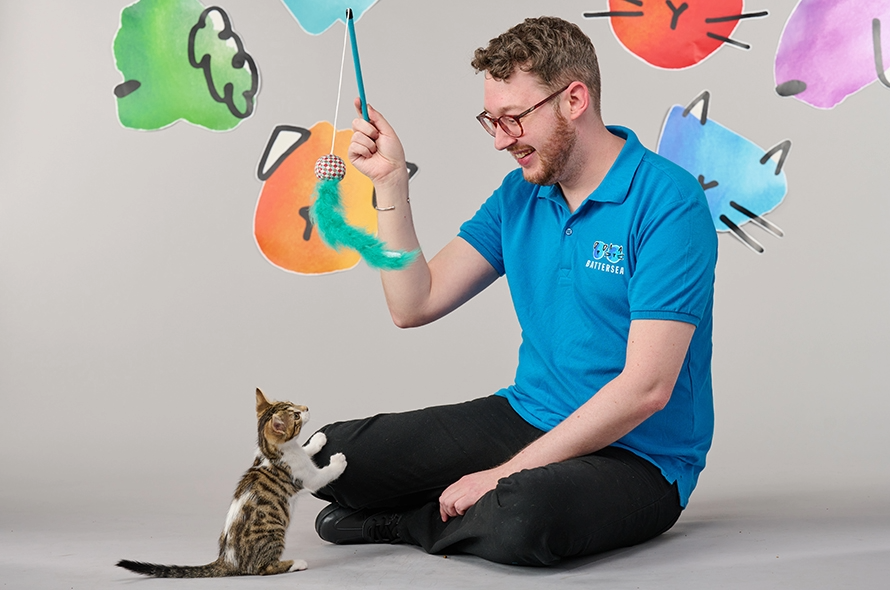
(182, 61)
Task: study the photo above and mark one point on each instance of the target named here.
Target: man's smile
(521, 152)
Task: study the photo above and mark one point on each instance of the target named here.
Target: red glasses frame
(491, 124)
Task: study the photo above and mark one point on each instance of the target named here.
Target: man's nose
(502, 139)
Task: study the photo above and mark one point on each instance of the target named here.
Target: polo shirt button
(569, 231)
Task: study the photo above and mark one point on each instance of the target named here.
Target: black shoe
(345, 526)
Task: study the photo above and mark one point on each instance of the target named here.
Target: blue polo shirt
(641, 246)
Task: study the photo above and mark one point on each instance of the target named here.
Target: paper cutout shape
(742, 181)
(675, 35)
(316, 16)
(831, 49)
(182, 62)
(283, 229)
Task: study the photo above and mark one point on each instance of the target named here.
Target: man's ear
(578, 99)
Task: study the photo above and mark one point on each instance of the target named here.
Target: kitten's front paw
(316, 442)
(298, 566)
(338, 463)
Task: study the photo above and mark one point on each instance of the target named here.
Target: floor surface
(823, 540)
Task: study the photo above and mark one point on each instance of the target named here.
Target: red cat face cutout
(674, 34)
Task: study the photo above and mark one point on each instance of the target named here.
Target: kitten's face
(283, 421)
(279, 422)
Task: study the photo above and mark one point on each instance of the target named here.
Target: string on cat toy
(327, 211)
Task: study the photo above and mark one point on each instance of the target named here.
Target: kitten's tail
(217, 569)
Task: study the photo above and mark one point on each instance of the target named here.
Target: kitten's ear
(262, 404)
(278, 425)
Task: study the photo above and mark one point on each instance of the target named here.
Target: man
(609, 251)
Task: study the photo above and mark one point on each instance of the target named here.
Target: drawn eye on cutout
(742, 181)
(673, 34)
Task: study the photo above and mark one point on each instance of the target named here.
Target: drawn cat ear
(262, 404)
(879, 54)
(284, 140)
(705, 99)
(783, 147)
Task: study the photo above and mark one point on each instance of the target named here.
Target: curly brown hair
(553, 49)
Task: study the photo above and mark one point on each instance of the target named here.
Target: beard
(554, 155)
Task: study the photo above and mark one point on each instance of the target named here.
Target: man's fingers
(446, 504)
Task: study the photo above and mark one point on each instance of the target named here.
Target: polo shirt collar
(616, 184)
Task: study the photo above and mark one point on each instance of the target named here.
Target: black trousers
(606, 500)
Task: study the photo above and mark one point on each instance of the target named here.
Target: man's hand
(376, 151)
(465, 492)
(655, 353)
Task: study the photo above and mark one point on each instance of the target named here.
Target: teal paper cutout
(317, 16)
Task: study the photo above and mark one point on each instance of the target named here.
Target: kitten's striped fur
(253, 538)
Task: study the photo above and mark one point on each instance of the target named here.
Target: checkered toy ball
(330, 167)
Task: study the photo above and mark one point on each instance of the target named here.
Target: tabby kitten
(253, 538)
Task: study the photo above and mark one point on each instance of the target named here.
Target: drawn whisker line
(879, 57)
(729, 41)
(617, 13)
(635, 2)
(724, 19)
(762, 222)
(740, 234)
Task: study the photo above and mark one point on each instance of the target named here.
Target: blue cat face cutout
(742, 181)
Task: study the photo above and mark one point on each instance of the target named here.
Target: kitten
(253, 538)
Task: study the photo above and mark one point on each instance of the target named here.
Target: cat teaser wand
(327, 212)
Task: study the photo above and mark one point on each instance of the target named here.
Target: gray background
(137, 314)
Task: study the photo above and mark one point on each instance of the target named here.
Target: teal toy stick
(327, 212)
(358, 65)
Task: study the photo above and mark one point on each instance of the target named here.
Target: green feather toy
(327, 215)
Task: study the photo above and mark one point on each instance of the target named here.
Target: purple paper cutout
(828, 49)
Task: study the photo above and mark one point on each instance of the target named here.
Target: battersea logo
(606, 257)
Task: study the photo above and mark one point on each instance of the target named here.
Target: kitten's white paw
(316, 442)
(298, 566)
(338, 464)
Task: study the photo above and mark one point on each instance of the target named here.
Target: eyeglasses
(510, 123)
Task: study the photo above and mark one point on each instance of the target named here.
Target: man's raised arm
(424, 291)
